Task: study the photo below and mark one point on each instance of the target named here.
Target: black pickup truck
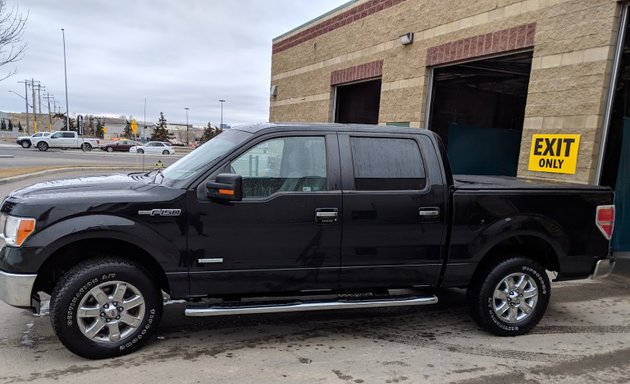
(288, 217)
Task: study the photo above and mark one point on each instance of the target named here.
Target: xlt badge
(161, 212)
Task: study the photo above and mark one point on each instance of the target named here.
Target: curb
(12, 179)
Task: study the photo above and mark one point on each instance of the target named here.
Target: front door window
(287, 164)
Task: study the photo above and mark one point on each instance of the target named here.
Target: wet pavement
(584, 337)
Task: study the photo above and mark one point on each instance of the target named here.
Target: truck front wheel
(510, 297)
(105, 308)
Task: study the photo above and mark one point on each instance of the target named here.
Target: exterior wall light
(273, 91)
(406, 39)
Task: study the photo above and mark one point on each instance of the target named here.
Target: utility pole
(48, 97)
(186, 108)
(39, 98)
(26, 101)
(34, 106)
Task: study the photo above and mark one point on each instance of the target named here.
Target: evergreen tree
(99, 129)
(160, 131)
(3, 125)
(209, 132)
(20, 129)
(127, 132)
(10, 125)
(91, 128)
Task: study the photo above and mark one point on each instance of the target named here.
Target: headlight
(15, 230)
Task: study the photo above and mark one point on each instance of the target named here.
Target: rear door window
(387, 164)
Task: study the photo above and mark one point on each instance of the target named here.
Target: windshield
(192, 165)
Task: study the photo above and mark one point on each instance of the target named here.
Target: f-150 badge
(161, 212)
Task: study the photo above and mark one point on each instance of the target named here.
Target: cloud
(175, 54)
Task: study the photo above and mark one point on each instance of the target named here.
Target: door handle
(429, 212)
(326, 215)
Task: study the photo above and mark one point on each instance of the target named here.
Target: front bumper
(603, 268)
(15, 289)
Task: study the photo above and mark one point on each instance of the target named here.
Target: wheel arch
(68, 255)
(530, 245)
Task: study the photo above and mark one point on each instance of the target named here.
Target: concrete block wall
(573, 43)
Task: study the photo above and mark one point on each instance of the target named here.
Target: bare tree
(12, 48)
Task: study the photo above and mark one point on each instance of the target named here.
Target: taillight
(605, 220)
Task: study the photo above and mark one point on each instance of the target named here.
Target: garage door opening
(616, 165)
(358, 103)
(478, 109)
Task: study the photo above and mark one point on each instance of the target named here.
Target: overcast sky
(176, 54)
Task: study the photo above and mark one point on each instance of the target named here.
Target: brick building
(513, 87)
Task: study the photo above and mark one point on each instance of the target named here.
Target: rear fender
(533, 225)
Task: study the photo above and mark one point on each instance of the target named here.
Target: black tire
(140, 151)
(110, 149)
(165, 152)
(508, 316)
(86, 147)
(42, 146)
(25, 144)
(76, 290)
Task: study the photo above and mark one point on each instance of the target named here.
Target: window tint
(387, 164)
(68, 135)
(288, 164)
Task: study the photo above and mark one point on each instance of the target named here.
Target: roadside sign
(134, 126)
(554, 153)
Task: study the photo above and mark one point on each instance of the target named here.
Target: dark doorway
(478, 109)
(616, 168)
(358, 103)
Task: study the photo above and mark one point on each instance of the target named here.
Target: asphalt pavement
(14, 156)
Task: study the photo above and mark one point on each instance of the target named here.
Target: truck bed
(476, 182)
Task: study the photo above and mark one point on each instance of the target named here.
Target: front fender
(42, 244)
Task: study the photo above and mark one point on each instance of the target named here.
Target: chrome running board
(303, 306)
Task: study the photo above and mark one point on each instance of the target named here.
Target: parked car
(284, 218)
(153, 147)
(26, 141)
(120, 146)
(65, 139)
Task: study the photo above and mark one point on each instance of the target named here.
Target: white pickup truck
(25, 141)
(65, 139)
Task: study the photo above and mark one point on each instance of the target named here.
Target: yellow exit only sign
(554, 153)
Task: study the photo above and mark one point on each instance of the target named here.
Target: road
(12, 155)
(584, 337)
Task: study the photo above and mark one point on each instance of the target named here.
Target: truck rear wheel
(25, 144)
(510, 297)
(105, 308)
(86, 147)
(42, 146)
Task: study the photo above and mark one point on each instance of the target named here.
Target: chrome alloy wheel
(110, 312)
(515, 297)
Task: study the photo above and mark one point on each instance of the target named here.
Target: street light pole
(65, 74)
(186, 108)
(221, 101)
(15, 93)
(26, 101)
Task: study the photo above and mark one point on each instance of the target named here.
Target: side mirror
(226, 187)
